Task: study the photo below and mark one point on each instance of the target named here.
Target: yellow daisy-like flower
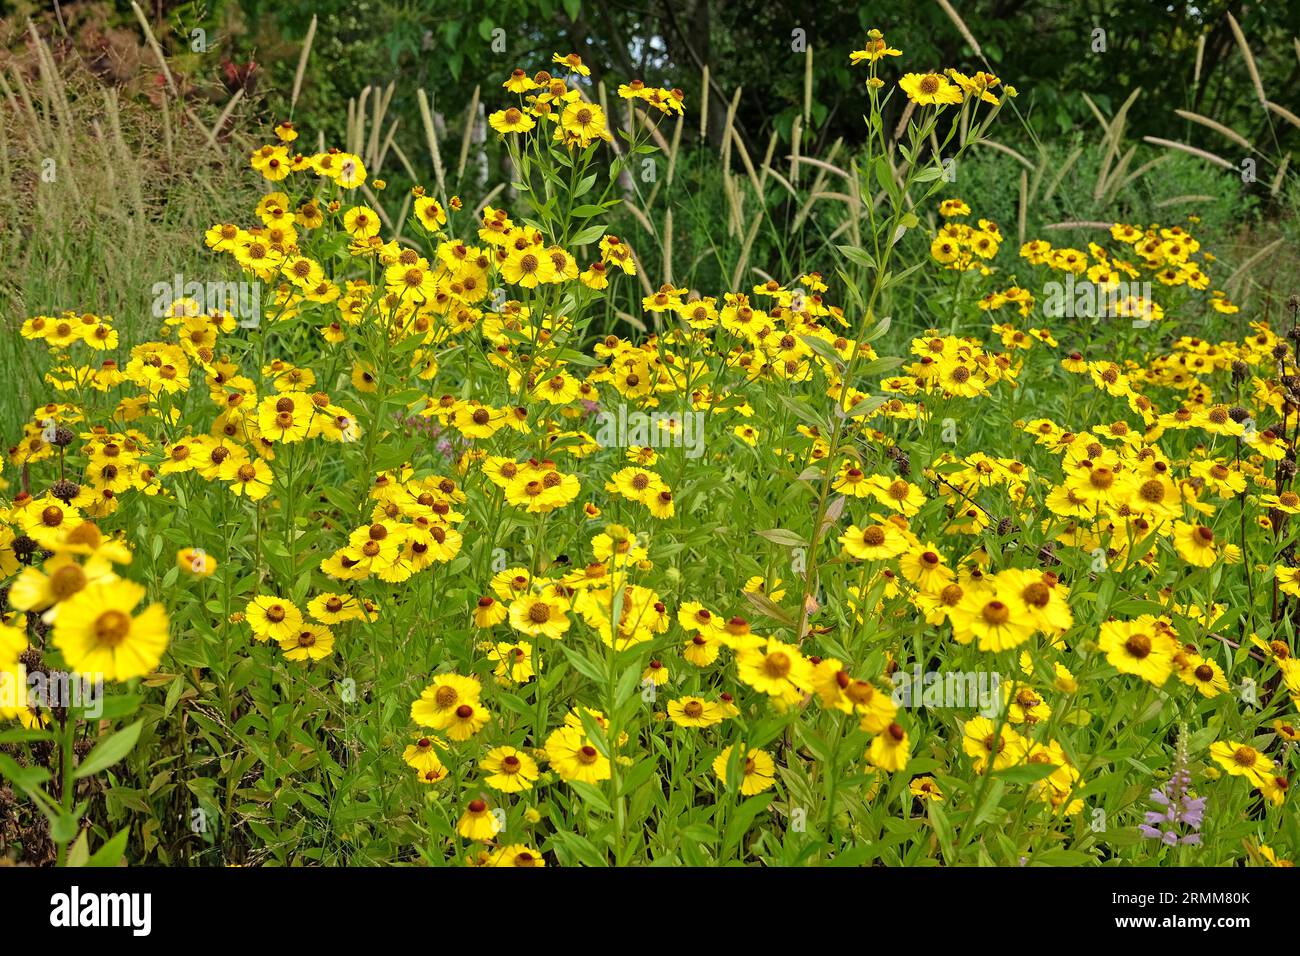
(890, 750)
(540, 615)
(509, 770)
(1142, 647)
(313, 642)
(518, 855)
(758, 770)
(422, 756)
(437, 703)
(478, 822)
(512, 120)
(272, 618)
(693, 712)
(574, 757)
(776, 669)
(1241, 760)
(930, 89)
(1197, 545)
(97, 633)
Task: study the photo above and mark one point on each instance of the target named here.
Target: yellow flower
(758, 770)
(273, 618)
(509, 770)
(518, 855)
(478, 822)
(693, 712)
(776, 669)
(512, 120)
(422, 756)
(930, 89)
(540, 615)
(97, 634)
(574, 757)
(875, 542)
(925, 788)
(890, 750)
(981, 744)
(1000, 620)
(196, 561)
(581, 124)
(312, 642)
(1143, 647)
(1197, 546)
(1241, 760)
(874, 49)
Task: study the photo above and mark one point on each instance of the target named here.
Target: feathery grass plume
(673, 149)
(1235, 280)
(431, 137)
(301, 71)
(1142, 170)
(488, 197)
(667, 243)
(387, 145)
(220, 124)
(1061, 172)
(725, 148)
(1283, 112)
(796, 140)
(855, 209)
(745, 251)
(152, 41)
(1114, 135)
(1281, 174)
(1190, 150)
(749, 166)
(823, 167)
(1224, 131)
(1249, 57)
(1024, 206)
(807, 84)
(640, 217)
(767, 160)
(1180, 200)
(1079, 224)
(904, 119)
(704, 101)
(467, 136)
(377, 125)
(1002, 148)
(1115, 180)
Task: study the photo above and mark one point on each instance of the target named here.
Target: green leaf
(942, 829)
(787, 539)
(858, 256)
(25, 779)
(591, 795)
(112, 852)
(110, 751)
